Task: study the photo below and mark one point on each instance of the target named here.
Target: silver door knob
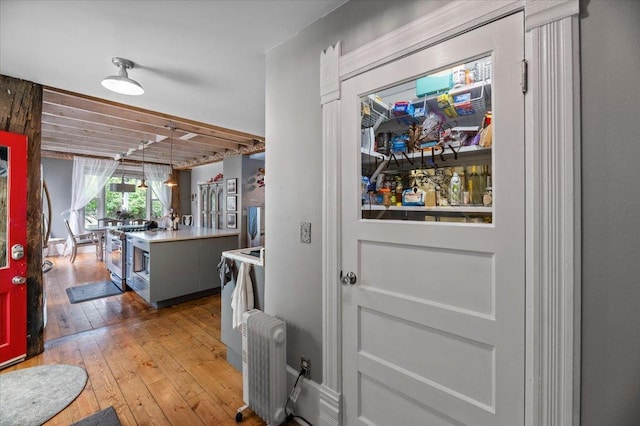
(350, 279)
(17, 251)
(18, 280)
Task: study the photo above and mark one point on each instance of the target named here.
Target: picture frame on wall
(231, 203)
(231, 221)
(232, 186)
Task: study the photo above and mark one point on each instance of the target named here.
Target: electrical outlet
(306, 364)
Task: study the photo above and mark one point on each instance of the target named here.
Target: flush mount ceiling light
(121, 83)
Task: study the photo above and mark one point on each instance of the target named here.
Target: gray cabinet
(178, 270)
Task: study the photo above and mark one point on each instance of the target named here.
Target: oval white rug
(34, 395)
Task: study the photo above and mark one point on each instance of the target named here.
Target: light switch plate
(305, 232)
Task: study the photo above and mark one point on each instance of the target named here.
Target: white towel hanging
(242, 297)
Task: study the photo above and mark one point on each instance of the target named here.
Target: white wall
(610, 61)
(293, 286)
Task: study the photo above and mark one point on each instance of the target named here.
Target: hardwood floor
(154, 366)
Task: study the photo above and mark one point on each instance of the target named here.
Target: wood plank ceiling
(74, 124)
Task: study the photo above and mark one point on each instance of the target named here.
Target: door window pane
(426, 147)
(4, 205)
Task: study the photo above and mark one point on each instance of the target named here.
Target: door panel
(13, 233)
(433, 329)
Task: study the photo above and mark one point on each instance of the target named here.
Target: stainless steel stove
(116, 252)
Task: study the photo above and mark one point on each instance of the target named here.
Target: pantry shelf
(438, 209)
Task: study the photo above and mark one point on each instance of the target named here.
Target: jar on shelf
(386, 196)
(487, 197)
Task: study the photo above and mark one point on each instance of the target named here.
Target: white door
(433, 328)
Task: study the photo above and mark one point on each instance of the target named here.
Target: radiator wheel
(238, 417)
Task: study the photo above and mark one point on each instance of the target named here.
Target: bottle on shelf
(474, 186)
(430, 197)
(488, 180)
(398, 191)
(455, 190)
(463, 180)
(485, 177)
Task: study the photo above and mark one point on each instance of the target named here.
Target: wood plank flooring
(154, 366)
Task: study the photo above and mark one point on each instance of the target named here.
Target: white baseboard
(308, 402)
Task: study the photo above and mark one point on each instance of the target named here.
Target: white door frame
(552, 121)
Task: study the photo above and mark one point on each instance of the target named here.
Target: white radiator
(264, 366)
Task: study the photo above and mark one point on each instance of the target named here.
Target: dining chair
(187, 219)
(85, 239)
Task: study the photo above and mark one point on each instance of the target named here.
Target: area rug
(83, 293)
(34, 395)
(106, 417)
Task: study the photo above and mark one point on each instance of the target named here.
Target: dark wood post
(21, 112)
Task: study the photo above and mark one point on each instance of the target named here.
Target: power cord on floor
(290, 416)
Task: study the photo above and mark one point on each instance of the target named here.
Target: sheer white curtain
(156, 174)
(90, 175)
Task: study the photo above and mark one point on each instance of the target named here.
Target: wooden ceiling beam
(124, 126)
(96, 127)
(83, 125)
(259, 147)
(82, 102)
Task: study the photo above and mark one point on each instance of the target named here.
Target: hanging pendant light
(143, 181)
(121, 83)
(122, 187)
(170, 182)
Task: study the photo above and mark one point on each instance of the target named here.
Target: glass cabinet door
(204, 211)
(426, 147)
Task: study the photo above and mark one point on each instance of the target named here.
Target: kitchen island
(166, 267)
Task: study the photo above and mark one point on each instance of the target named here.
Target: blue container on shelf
(433, 84)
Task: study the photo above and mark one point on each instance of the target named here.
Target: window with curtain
(88, 178)
(130, 204)
(156, 206)
(92, 212)
(161, 198)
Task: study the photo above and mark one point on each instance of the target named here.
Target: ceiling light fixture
(122, 187)
(143, 183)
(121, 83)
(170, 182)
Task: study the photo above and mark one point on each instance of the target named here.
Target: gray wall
(610, 62)
(242, 167)
(293, 271)
(58, 174)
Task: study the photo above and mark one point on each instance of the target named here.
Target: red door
(13, 242)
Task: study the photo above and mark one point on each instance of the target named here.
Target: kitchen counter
(168, 267)
(184, 233)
